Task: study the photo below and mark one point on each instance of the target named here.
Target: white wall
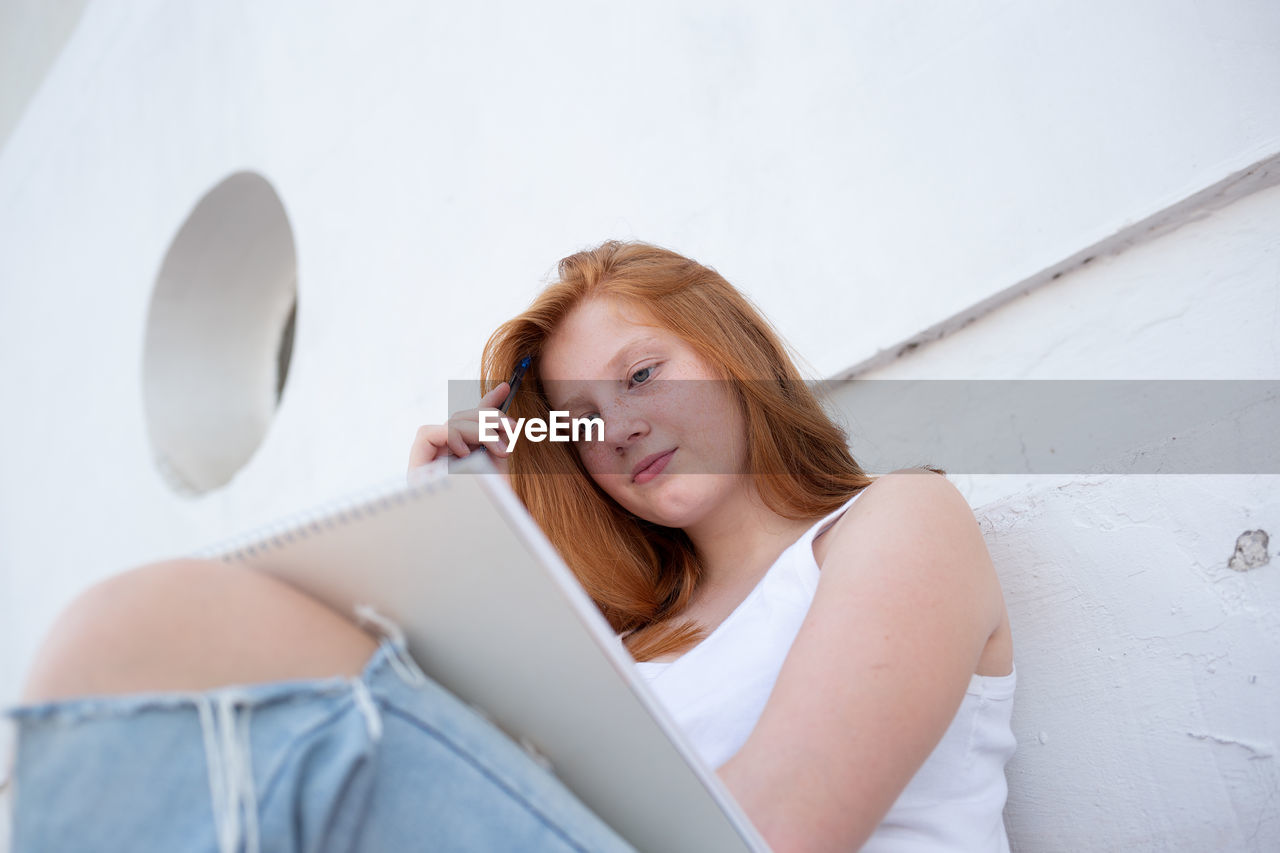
(1201, 302)
(32, 34)
(864, 171)
(1148, 666)
(1148, 680)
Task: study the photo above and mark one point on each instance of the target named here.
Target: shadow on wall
(220, 334)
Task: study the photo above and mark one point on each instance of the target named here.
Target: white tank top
(717, 690)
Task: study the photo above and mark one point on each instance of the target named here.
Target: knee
(100, 622)
(191, 624)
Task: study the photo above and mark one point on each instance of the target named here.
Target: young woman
(836, 646)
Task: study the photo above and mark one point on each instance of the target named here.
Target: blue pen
(515, 382)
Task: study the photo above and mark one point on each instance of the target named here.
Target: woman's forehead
(595, 338)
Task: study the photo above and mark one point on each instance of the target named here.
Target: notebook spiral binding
(327, 516)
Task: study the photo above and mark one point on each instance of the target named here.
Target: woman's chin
(673, 504)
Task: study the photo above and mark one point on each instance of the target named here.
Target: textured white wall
(1148, 667)
(1148, 679)
(863, 170)
(1201, 302)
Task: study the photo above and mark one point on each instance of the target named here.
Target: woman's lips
(651, 466)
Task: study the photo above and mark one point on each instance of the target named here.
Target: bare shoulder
(915, 488)
(914, 503)
(913, 528)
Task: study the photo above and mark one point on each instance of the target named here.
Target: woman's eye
(641, 375)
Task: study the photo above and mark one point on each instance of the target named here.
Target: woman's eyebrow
(614, 363)
(622, 354)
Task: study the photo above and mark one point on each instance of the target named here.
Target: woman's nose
(622, 427)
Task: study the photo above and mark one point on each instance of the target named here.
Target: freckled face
(671, 449)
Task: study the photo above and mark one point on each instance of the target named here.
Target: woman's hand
(461, 435)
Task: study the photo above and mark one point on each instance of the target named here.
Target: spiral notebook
(492, 613)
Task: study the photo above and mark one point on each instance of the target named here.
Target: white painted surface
(1148, 669)
(1202, 302)
(32, 34)
(863, 170)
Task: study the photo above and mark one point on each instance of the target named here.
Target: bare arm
(906, 601)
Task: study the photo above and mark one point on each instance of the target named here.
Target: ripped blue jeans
(389, 761)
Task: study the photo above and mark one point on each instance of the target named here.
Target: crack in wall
(1256, 750)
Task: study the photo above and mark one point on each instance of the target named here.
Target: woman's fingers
(499, 448)
(496, 395)
(465, 433)
(461, 434)
(457, 440)
(428, 443)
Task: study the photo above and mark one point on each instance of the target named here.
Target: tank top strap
(800, 555)
(829, 519)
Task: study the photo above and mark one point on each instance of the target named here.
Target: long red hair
(642, 575)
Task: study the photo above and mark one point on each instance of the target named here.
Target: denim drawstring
(401, 662)
(364, 701)
(227, 753)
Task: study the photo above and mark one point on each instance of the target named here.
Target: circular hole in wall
(220, 334)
